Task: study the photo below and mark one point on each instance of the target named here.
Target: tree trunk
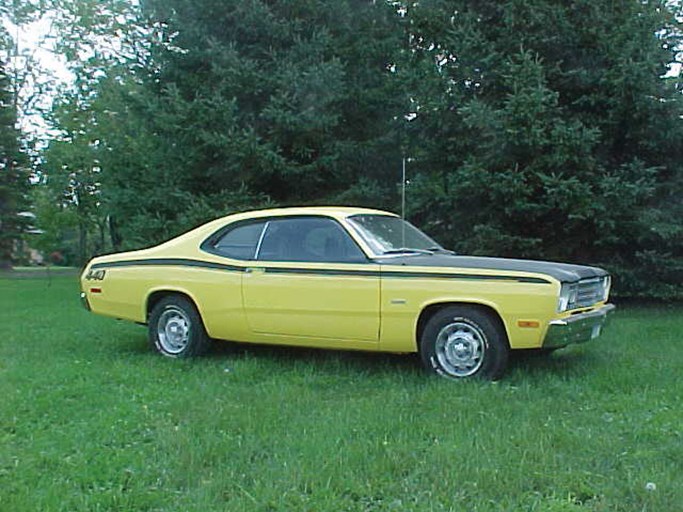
(82, 242)
(114, 234)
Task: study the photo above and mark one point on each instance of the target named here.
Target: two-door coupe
(345, 278)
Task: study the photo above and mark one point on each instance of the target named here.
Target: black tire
(461, 342)
(176, 328)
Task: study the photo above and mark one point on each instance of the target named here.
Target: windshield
(387, 235)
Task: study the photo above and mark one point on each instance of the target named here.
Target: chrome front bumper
(578, 328)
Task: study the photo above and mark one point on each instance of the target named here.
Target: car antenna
(403, 204)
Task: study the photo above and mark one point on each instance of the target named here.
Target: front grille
(588, 292)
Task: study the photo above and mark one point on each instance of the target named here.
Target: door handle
(254, 270)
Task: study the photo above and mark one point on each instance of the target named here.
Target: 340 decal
(95, 275)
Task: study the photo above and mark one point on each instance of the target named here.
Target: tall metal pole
(403, 191)
(403, 203)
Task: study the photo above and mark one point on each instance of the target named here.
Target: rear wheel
(462, 342)
(176, 328)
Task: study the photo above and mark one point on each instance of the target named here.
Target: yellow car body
(376, 302)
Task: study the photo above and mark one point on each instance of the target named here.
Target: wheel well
(156, 296)
(432, 309)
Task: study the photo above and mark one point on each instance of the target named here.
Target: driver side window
(308, 239)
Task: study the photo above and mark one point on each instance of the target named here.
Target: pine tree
(250, 103)
(546, 130)
(13, 174)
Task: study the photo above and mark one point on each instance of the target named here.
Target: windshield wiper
(402, 250)
(441, 249)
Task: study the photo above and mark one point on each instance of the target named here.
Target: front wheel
(464, 341)
(176, 328)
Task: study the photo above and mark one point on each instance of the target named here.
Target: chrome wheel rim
(173, 330)
(460, 348)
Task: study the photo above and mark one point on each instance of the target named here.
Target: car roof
(337, 212)
(330, 211)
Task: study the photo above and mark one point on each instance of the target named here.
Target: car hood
(564, 272)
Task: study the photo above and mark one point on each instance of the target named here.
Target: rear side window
(239, 242)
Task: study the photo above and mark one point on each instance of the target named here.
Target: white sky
(36, 42)
(38, 38)
(674, 70)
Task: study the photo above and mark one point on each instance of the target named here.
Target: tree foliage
(14, 172)
(289, 102)
(534, 128)
(547, 131)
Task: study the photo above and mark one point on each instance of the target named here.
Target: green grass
(41, 268)
(91, 420)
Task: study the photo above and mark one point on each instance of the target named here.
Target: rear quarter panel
(216, 293)
(125, 290)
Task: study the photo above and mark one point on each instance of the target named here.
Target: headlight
(606, 285)
(568, 295)
(583, 294)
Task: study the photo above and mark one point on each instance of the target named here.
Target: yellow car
(345, 278)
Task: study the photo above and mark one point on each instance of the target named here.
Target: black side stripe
(169, 262)
(400, 275)
(179, 262)
(476, 277)
(323, 272)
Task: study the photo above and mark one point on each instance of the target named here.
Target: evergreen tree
(546, 130)
(535, 128)
(13, 174)
(250, 103)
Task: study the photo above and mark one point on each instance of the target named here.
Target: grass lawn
(91, 419)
